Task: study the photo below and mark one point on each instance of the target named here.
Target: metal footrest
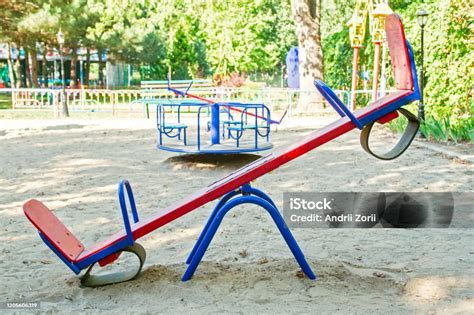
(89, 280)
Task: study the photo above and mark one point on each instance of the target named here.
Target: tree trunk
(87, 67)
(45, 68)
(27, 67)
(19, 79)
(34, 68)
(101, 68)
(307, 16)
(73, 68)
(11, 70)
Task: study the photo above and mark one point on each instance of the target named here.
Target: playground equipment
(226, 135)
(376, 11)
(235, 189)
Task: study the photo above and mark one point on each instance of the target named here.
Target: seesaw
(235, 189)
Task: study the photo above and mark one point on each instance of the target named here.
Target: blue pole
(215, 136)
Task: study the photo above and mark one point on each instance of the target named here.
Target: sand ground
(74, 167)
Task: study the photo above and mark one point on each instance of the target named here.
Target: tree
(126, 32)
(10, 16)
(11, 71)
(307, 16)
(74, 19)
(257, 43)
(35, 28)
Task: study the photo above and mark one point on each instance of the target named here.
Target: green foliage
(337, 60)
(441, 130)
(445, 130)
(245, 35)
(337, 49)
(449, 61)
(203, 38)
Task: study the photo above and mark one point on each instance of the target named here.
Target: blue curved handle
(178, 91)
(336, 103)
(124, 184)
(189, 86)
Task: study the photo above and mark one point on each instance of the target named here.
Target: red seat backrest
(55, 232)
(398, 52)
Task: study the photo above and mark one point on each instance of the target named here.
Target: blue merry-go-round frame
(223, 132)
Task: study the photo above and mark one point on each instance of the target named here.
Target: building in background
(115, 74)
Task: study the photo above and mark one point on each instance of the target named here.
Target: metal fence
(134, 101)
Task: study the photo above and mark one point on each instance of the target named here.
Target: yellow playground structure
(376, 11)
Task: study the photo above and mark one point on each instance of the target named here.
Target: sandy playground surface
(74, 168)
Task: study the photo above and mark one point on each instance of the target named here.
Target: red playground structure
(235, 189)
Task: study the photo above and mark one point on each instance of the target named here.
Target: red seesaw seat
(53, 229)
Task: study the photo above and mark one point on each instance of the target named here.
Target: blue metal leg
(218, 216)
(219, 205)
(246, 190)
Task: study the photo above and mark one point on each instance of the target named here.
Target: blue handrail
(184, 94)
(199, 124)
(123, 206)
(336, 103)
(416, 87)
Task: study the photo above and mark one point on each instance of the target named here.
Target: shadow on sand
(225, 161)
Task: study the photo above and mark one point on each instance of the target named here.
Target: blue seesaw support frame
(232, 199)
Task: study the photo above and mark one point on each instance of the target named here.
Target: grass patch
(441, 130)
(5, 101)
